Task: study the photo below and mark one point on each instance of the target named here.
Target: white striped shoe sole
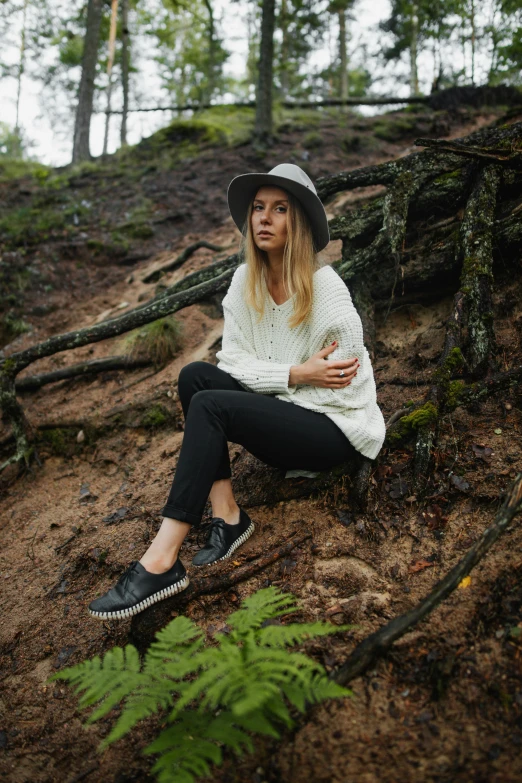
(237, 543)
(123, 614)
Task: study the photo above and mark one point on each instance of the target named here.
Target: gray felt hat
(292, 178)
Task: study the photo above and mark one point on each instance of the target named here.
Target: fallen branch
(379, 642)
(153, 276)
(34, 382)
(145, 625)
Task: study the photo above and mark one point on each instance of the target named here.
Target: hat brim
(244, 187)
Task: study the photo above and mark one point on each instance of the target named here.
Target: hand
(318, 372)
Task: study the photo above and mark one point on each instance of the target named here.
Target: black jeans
(218, 409)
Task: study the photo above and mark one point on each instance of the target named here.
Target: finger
(342, 364)
(328, 349)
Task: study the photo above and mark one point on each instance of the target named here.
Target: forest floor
(445, 704)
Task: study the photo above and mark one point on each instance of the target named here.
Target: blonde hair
(300, 262)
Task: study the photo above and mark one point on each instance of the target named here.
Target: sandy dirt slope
(444, 705)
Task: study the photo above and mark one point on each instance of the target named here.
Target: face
(269, 214)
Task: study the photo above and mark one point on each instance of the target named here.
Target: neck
(275, 267)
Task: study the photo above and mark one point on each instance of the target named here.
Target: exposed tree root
(379, 642)
(373, 253)
(155, 275)
(35, 382)
(145, 625)
(477, 268)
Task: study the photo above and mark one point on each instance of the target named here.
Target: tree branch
(379, 642)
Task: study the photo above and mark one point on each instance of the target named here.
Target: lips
(265, 234)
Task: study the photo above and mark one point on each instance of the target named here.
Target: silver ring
(342, 373)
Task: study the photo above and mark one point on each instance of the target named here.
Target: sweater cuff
(280, 375)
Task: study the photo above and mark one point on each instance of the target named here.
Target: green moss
(17, 169)
(422, 417)
(453, 396)
(159, 341)
(139, 230)
(8, 365)
(155, 417)
(448, 175)
(475, 265)
(55, 440)
(30, 225)
(394, 129)
(119, 246)
(11, 327)
(312, 140)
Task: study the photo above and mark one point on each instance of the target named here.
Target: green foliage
(11, 327)
(154, 417)
(312, 140)
(394, 128)
(158, 341)
(31, 224)
(214, 695)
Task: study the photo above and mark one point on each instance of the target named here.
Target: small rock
(80, 437)
(86, 495)
(346, 572)
(122, 306)
(116, 516)
(63, 656)
(364, 603)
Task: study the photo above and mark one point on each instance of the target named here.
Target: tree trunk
(81, 148)
(125, 57)
(263, 123)
(21, 66)
(473, 38)
(414, 78)
(211, 52)
(283, 67)
(110, 61)
(343, 55)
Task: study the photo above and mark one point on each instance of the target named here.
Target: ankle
(158, 564)
(229, 513)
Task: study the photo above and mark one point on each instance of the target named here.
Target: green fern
(214, 696)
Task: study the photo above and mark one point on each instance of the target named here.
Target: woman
(285, 314)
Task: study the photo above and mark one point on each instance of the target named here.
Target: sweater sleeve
(238, 358)
(346, 328)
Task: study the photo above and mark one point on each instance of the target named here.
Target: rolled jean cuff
(182, 516)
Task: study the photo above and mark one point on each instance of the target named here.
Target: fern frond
(183, 763)
(112, 679)
(314, 691)
(172, 641)
(263, 605)
(188, 747)
(259, 723)
(151, 695)
(295, 633)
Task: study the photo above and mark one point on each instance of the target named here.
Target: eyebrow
(279, 200)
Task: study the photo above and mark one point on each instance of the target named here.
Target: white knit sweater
(259, 355)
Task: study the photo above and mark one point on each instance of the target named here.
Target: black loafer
(223, 539)
(137, 589)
